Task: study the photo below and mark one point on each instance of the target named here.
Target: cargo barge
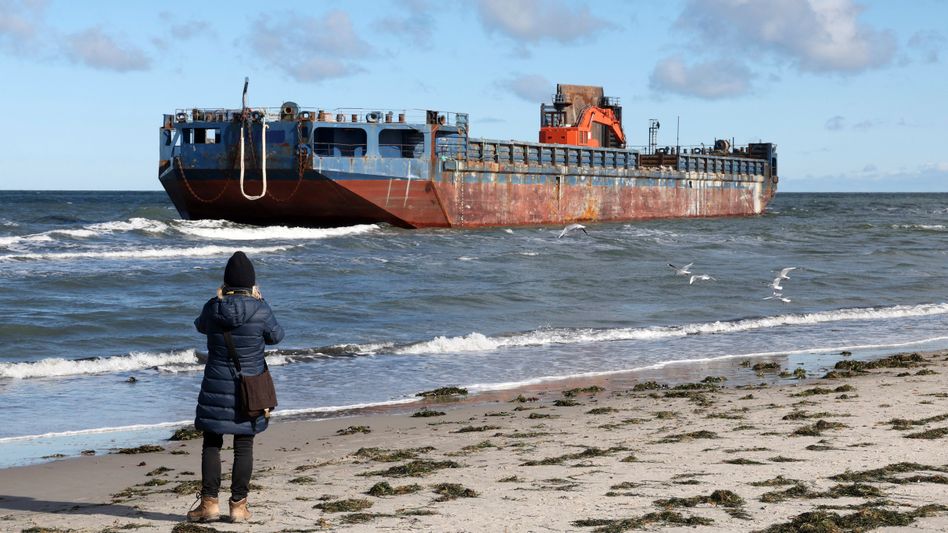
(310, 167)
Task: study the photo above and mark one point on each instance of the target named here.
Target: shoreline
(549, 461)
(672, 372)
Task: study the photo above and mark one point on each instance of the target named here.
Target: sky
(854, 93)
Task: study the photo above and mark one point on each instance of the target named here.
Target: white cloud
(813, 35)
(530, 87)
(96, 49)
(415, 25)
(308, 48)
(929, 43)
(21, 23)
(722, 78)
(927, 177)
(533, 21)
(835, 123)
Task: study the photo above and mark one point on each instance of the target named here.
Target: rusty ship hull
(322, 169)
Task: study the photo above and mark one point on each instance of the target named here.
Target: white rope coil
(263, 163)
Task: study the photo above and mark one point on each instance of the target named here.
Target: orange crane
(597, 124)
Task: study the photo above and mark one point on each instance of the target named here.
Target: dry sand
(615, 455)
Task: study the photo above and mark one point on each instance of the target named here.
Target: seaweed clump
(186, 433)
(862, 520)
(344, 506)
(666, 518)
(147, 448)
(902, 360)
(721, 498)
(822, 390)
(452, 491)
(383, 488)
(679, 437)
(425, 413)
(817, 428)
(588, 453)
(391, 456)
(593, 389)
(442, 393)
(416, 468)
(352, 430)
(888, 473)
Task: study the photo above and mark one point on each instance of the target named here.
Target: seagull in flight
(784, 272)
(682, 271)
(775, 285)
(702, 277)
(570, 228)
(778, 296)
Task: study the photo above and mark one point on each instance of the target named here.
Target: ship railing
(340, 114)
(507, 152)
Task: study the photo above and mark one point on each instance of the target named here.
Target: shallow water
(97, 287)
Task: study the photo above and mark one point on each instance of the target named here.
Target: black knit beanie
(239, 271)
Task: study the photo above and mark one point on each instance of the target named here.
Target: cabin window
(200, 135)
(340, 142)
(401, 143)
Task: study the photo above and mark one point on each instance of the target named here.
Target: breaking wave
(224, 230)
(204, 229)
(924, 227)
(475, 342)
(144, 253)
(99, 365)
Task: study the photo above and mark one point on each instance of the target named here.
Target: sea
(97, 288)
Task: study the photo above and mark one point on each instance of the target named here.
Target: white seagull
(778, 296)
(775, 285)
(570, 228)
(682, 271)
(702, 277)
(784, 272)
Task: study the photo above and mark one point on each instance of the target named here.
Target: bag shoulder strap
(229, 340)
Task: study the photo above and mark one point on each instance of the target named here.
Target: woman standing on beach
(239, 309)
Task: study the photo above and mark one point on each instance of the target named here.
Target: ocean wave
(507, 385)
(92, 230)
(224, 230)
(476, 342)
(55, 367)
(18, 239)
(141, 253)
(925, 227)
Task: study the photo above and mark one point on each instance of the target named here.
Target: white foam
(70, 367)
(479, 342)
(224, 230)
(142, 253)
(929, 227)
(38, 237)
(482, 387)
(92, 230)
(93, 431)
(182, 423)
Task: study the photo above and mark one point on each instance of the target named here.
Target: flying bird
(775, 285)
(778, 296)
(682, 271)
(784, 272)
(702, 277)
(570, 228)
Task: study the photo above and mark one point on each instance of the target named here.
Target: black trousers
(211, 465)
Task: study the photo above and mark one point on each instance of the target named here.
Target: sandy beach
(861, 448)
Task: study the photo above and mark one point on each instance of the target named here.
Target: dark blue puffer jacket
(251, 323)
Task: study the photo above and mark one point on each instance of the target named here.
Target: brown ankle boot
(208, 510)
(238, 510)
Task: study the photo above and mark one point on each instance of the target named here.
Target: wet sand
(669, 451)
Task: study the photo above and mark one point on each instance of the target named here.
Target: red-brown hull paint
(315, 200)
